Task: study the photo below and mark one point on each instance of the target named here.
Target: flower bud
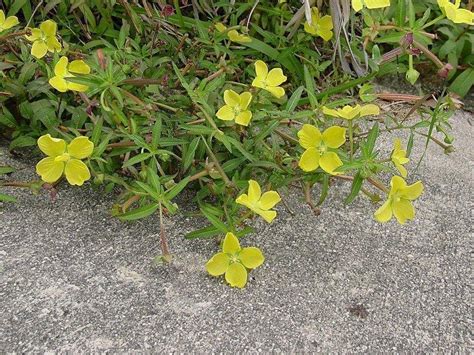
(412, 76)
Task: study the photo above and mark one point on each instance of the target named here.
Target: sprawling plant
(236, 101)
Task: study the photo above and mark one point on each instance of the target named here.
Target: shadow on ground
(72, 278)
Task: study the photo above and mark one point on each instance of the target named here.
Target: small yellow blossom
(63, 70)
(269, 80)
(219, 26)
(320, 26)
(236, 107)
(357, 5)
(455, 13)
(234, 261)
(64, 159)
(399, 201)
(235, 36)
(44, 39)
(7, 23)
(399, 157)
(317, 146)
(258, 203)
(349, 113)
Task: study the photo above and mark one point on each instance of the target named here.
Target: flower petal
(231, 98)
(236, 275)
(244, 118)
(412, 192)
(397, 183)
(231, 244)
(80, 147)
(60, 69)
(39, 49)
(334, 136)
(2, 17)
(79, 67)
(326, 22)
(49, 28)
(261, 70)
(369, 110)
(9, 22)
(276, 91)
(325, 34)
(254, 191)
(403, 210)
(76, 172)
(251, 257)
(276, 77)
(50, 146)
(49, 169)
(226, 113)
(76, 87)
(309, 136)
(218, 264)
(53, 44)
(269, 199)
(243, 200)
(376, 4)
(309, 28)
(59, 83)
(357, 5)
(35, 34)
(309, 161)
(330, 112)
(403, 171)
(268, 216)
(245, 99)
(384, 213)
(329, 162)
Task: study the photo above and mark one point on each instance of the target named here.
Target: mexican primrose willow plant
(234, 109)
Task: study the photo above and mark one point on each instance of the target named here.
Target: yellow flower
(320, 26)
(454, 13)
(357, 5)
(236, 107)
(44, 39)
(9, 22)
(399, 157)
(269, 81)
(317, 148)
(64, 159)
(399, 201)
(349, 113)
(258, 203)
(234, 261)
(63, 70)
(235, 36)
(220, 27)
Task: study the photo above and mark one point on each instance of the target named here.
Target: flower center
(322, 148)
(234, 259)
(63, 157)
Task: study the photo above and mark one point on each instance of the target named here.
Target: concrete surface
(72, 278)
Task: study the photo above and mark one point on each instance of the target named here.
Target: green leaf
(463, 83)
(6, 170)
(310, 88)
(7, 198)
(294, 99)
(22, 142)
(136, 159)
(190, 152)
(139, 213)
(176, 189)
(215, 221)
(355, 188)
(203, 233)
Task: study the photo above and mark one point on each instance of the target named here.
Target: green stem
(432, 22)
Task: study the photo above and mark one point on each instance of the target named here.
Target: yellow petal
(261, 70)
(357, 5)
(412, 192)
(39, 49)
(60, 69)
(76, 172)
(463, 16)
(376, 4)
(2, 17)
(254, 191)
(349, 112)
(334, 136)
(401, 169)
(329, 162)
(231, 98)
(310, 29)
(244, 118)
(220, 27)
(325, 34)
(309, 136)
(79, 67)
(326, 22)
(331, 112)
(309, 161)
(231, 244)
(49, 169)
(235, 36)
(244, 200)
(369, 110)
(80, 148)
(269, 199)
(403, 210)
(50, 146)
(251, 257)
(397, 183)
(35, 34)
(245, 99)
(236, 275)
(218, 264)
(276, 77)
(76, 87)
(277, 91)
(384, 213)
(59, 83)
(53, 44)
(49, 28)
(268, 216)
(9, 23)
(226, 113)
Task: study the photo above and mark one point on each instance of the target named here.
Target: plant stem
(351, 138)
